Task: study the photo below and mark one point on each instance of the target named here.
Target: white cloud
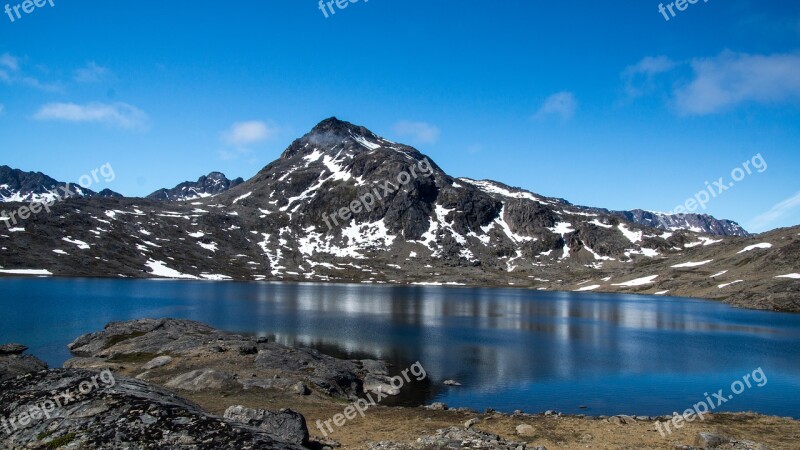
(639, 77)
(775, 213)
(731, 79)
(418, 132)
(120, 115)
(561, 104)
(91, 73)
(241, 134)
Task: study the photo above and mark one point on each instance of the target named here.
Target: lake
(510, 348)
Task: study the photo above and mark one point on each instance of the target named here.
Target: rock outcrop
(191, 356)
(127, 413)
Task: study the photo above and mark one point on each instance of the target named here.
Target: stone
(201, 379)
(248, 349)
(707, 439)
(437, 406)
(285, 424)
(157, 362)
(471, 422)
(453, 438)
(525, 430)
(301, 389)
(621, 420)
(379, 383)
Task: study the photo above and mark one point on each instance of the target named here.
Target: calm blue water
(511, 348)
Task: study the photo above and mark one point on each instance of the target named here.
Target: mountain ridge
(430, 229)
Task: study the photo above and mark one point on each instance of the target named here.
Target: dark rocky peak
(341, 128)
(17, 180)
(332, 135)
(209, 185)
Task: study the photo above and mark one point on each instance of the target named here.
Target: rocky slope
(206, 186)
(342, 204)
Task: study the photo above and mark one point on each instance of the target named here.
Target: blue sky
(602, 103)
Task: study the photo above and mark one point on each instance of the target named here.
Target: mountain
(701, 223)
(209, 185)
(342, 204)
(26, 187)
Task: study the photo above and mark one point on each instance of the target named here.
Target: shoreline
(169, 362)
(389, 284)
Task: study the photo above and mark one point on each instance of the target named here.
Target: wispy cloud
(91, 73)
(9, 61)
(35, 83)
(777, 212)
(417, 132)
(704, 86)
(561, 104)
(241, 135)
(120, 115)
(11, 73)
(731, 79)
(639, 77)
(8, 66)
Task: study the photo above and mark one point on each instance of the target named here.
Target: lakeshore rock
(189, 355)
(12, 349)
(13, 363)
(437, 406)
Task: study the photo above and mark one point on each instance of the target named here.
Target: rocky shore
(165, 384)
